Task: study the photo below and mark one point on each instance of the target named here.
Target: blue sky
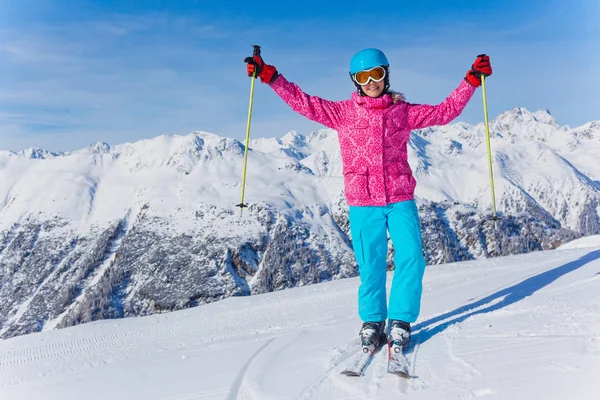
(74, 73)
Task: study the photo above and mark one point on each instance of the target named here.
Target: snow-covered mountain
(516, 327)
(152, 226)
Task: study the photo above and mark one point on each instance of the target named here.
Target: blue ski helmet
(366, 59)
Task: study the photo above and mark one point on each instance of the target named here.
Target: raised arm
(325, 112)
(328, 113)
(422, 116)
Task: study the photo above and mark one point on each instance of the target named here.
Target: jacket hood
(397, 96)
(391, 97)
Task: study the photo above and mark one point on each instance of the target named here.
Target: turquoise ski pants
(369, 226)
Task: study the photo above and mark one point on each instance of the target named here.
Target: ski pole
(242, 205)
(489, 147)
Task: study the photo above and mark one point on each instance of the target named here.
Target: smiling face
(373, 89)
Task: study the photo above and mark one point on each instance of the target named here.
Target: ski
(361, 360)
(397, 362)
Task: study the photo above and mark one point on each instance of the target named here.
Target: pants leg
(407, 283)
(369, 240)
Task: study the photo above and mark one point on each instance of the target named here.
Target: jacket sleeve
(328, 113)
(422, 115)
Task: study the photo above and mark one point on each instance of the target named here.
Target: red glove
(481, 66)
(266, 73)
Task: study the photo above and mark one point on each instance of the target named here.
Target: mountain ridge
(112, 231)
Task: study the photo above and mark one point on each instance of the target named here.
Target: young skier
(374, 128)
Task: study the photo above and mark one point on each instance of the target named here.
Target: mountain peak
(36, 153)
(293, 139)
(523, 115)
(205, 135)
(96, 148)
(545, 116)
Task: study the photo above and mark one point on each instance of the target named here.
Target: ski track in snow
(242, 390)
(293, 344)
(68, 356)
(465, 369)
(338, 361)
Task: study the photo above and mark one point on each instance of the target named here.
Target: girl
(373, 129)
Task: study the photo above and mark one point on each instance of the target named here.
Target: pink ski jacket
(373, 135)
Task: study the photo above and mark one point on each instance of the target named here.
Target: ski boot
(372, 334)
(399, 335)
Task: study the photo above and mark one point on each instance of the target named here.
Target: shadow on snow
(500, 299)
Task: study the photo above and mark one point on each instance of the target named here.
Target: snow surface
(518, 327)
(588, 241)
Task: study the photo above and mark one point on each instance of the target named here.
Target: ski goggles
(376, 74)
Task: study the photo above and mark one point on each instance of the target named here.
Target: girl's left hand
(267, 73)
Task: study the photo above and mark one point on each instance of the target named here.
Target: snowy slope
(148, 227)
(537, 161)
(588, 241)
(517, 327)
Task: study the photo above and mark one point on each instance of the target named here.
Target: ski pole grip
(256, 50)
